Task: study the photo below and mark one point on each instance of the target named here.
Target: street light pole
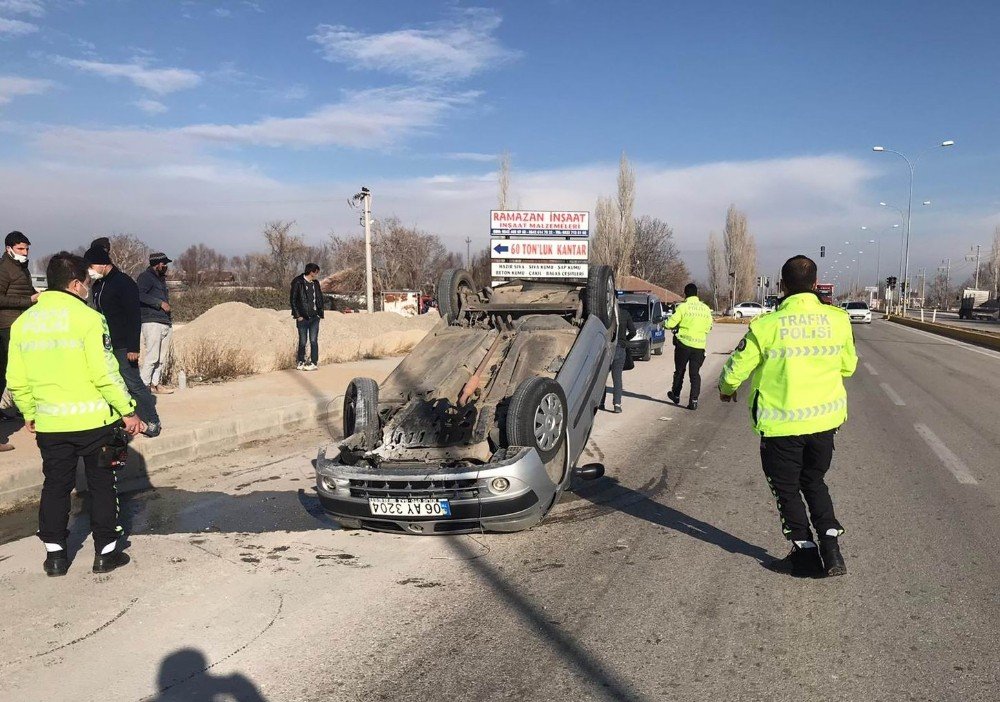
(909, 211)
(365, 198)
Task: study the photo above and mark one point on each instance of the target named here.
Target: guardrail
(990, 341)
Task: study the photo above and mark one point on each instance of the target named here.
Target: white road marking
(945, 339)
(950, 460)
(893, 395)
(870, 368)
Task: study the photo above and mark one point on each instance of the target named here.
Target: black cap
(97, 255)
(103, 242)
(157, 258)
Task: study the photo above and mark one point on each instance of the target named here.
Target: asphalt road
(984, 325)
(646, 585)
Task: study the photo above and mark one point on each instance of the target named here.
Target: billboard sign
(531, 269)
(541, 249)
(539, 223)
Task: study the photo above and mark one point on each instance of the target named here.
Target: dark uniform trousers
(690, 359)
(60, 453)
(795, 467)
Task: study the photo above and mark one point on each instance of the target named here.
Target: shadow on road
(185, 675)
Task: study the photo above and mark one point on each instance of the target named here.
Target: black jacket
(626, 327)
(116, 296)
(152, 293)
(306, 298)
(15, 290)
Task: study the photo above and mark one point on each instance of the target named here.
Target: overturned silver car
(480, 427)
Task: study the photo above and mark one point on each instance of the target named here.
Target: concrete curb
(148, 456)
(990, 341)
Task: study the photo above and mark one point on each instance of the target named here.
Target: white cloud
(13, 86)
(457, 48)
(151, 107)
(15, 28)
(365, 119)
(24, 7)
(156, 80)
(471, 156)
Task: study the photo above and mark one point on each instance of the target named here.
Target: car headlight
(640, 334)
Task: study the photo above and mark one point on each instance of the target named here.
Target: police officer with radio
(691, 322)
(798, 357)
(64, 378)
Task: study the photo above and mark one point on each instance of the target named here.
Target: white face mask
(20, 258)
(94, 275)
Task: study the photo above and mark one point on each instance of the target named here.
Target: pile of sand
(259, 341)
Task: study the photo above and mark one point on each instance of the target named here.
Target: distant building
(631, 283)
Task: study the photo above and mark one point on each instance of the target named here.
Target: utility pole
(468, 253)
(923, 286)
(947, 283)
(365, 198)
(969, 258)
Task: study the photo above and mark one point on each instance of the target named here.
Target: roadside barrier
(990, 341)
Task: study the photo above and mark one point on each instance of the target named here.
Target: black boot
(833, 562)
(107, 562)
(676, 399)
(693, 405)
(800, 563)
(56, 564)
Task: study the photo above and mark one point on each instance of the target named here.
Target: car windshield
(639, 313)
(857, 306)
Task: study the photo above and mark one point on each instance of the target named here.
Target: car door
(659, 333)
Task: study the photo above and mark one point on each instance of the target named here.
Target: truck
(825, 292)
(976, 305)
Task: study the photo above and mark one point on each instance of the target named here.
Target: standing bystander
(16, 295)
(626, 330)
(154, 301)
(65, 380)
(116, 296)
(306, 301)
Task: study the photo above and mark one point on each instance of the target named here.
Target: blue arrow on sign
(500, 248)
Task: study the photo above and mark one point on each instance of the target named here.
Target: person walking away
(798, 357)
(626, 330)
(16, 295)
(65, 380)
(306, 301)
(691, 322)
(154, 307)
(116, 296)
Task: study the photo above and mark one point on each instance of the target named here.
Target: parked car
(746, 309)
(858, 311)
(647, 314)
(480, 427)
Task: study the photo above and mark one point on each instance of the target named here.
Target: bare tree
(939, 292)
(481, 268)
(718, 274)
(993, 264)
(503, 182)
(605, 240)
(626, 220)
(129, 253)
(657, 258)
(286, 251)
(199, 263)
(741, 254)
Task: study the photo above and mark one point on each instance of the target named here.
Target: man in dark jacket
(626, 330)
(306, 301)
(16, 295)
(116, 296)
(154, 308)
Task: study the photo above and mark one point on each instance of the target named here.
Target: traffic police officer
(692, 321)
(798, 356)
(64, 378)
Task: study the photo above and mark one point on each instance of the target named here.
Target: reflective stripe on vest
(796, 351)
(73, 408)
(803, 413)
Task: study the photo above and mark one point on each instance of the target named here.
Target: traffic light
(890, 282)
(822, 252)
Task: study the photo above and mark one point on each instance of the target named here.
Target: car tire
(453, 283)
(599, 298)
(738, 315)
(647, 354)
(537, 416)
(658, 351)
(361, 411)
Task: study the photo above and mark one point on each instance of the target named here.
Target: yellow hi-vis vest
(694, 321)
(60, 369)
(798, 356)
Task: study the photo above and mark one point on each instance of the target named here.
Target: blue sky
(198, 121)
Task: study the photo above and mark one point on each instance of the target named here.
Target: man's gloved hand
(727, 398)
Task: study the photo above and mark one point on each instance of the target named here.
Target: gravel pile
(260, 340)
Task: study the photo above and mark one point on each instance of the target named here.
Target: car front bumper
(475, 504)
(861, 319)
(639, 347)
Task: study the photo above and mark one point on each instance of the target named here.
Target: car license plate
(394, 507)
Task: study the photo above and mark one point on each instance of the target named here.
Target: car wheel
(599, 298)
(738, 315)
(361, 411)
(537, 417)
(453, 285)
(646, 354)
(658, 351)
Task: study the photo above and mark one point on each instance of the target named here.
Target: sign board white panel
(543, 249)
(871, 288)
(528, 269)
(538, 223)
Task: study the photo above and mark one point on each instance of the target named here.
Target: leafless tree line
(732, 264)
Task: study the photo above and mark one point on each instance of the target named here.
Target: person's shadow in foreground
(184, 675)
